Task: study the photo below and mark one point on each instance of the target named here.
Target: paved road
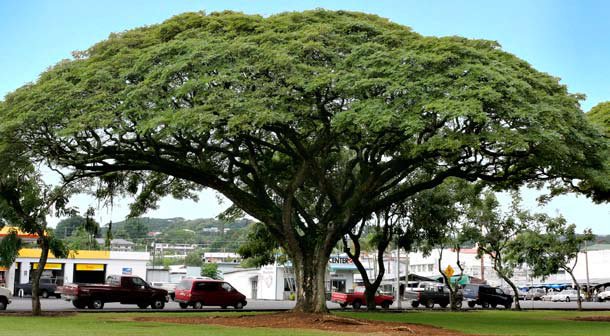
(52, 304)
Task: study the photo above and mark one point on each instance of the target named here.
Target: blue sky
(568, 39)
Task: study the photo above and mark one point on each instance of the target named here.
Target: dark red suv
(198, 293)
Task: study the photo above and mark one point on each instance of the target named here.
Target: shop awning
(89, 267)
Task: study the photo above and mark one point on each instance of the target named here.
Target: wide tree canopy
(307, 121)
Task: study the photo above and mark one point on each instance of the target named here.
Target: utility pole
(587, 271)
(397, 268)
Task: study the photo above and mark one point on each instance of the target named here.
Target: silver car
(566, 295)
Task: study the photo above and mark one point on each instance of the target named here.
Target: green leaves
(9, 248)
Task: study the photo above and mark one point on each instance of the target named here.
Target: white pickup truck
(5, 298)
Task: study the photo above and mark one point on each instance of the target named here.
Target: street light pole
(587, 271)
(397, 268)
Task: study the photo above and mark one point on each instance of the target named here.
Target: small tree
(194, 258)
(210, 270)
(382, 228)
(25, 202)
(495, 233)
(550, 249)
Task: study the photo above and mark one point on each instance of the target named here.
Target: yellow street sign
(449, 271)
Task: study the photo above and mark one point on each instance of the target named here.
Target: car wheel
(3, 304)
(198, 305)
(471, 304)
(444, 304)
(79, 304)
(183, 305)
(508, 306)
(58, 296)
(414, 304)
(96, 304)
(385, 305)
(239, 305)
(493, 305)
(158, 304)
(44, 294)
(343, 305)
(485, 305)
(429, 303)
(142, 305)
(567, 299)
(459, 304)
(357, 304)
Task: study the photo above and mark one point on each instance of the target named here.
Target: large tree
(307, 121)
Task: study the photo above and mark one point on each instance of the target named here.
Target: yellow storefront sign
(2, 268)
(89, 267)
(48, 266)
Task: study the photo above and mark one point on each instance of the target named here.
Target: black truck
(486, 296)
(432, 295)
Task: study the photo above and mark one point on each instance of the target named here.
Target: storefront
(277, 282)
(80, 266)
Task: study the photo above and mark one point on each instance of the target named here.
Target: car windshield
(184, 284)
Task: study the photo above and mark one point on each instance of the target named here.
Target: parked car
(357, 299)
(548, 296)
(125, 289)
(566, 295)
(46, 288)
(170, 287)
(604, 296)
(432, 295)
(414, 287)
(535, 294)
(486, 296)
(5, 298)
(198, 293)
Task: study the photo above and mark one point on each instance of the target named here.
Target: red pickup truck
(118, 288)
(357, 299)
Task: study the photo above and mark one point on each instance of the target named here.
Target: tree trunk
(452, 293)
(310, 272)
(44, 254)
(513, 287)
(579, 299)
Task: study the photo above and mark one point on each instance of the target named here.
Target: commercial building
(79, 267)
(277, 281)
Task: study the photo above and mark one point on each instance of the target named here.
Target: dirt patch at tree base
(592, 318)
(329, 323)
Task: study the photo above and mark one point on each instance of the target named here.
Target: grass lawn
(477, 322)
(110, 324)
(498, 322)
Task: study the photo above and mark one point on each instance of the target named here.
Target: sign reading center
(340, 260)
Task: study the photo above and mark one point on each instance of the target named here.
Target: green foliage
(552, 246)
(210, 270)
(600, 115)
(65, 227)
(194, 258)
(260, 247)
(82, 240)
(9, 248)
